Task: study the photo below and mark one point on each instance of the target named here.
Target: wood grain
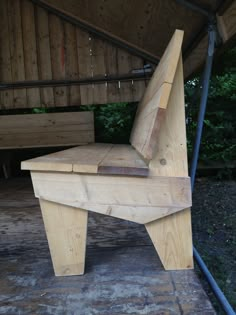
(137, 199)
(57, 47)
(6, 97)
(44, 55)
(16, 51)
(30, 51)
(96, 158)
(148, 117)
(66, 230)
(53, 129)
(172, 235)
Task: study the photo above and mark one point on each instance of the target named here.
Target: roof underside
(149, 24)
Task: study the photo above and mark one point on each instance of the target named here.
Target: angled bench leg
(66, 229)
(172, 239)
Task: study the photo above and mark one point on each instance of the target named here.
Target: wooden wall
(36, 45)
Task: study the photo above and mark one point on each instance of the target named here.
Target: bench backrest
(44, 130)
(152, 107)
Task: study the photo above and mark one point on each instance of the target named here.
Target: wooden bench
(43, 130)
(146, 182)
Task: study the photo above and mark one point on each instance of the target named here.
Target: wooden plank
(6, 97)
(71, 63)
(170, 155)
(123, 160)
(94, 158)
(30, 51)
(41, 139)
(99, 69)
(53, 129)
(83, 159)
(85, 66)
(147, 124)
(66, 230)
(57, 46)
(113, 91)
(172, 235)
(124, 67)
(227, 22)
(197, 57)
(16, 51)
(44, 55)
(148, 117)
(172, 238)
(138, 86)
(131, 198)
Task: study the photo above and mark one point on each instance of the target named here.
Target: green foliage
(113, 122)
(219, 137)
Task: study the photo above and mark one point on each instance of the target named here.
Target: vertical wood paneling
(84, 60)
(99, 69)
(35, 45)
(71, 63)
(113, 91)
(138, 86)
(30, 53)
(57, 45)
(44, 56)
(6, 97)
(124, 66)
(16, 51)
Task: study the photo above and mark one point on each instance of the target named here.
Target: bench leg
(172, 238)
(66, 229)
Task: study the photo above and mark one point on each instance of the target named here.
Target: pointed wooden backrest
(152, 107)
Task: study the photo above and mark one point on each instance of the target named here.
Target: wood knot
(163, 161)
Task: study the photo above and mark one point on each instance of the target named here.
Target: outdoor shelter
(72, 53)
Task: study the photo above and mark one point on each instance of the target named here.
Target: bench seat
(96, 158)
(146, 182)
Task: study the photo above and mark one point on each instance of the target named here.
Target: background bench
(43, 130)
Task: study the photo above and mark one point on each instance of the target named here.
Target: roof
(149, 25)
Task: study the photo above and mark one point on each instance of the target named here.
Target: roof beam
(194, 7)
(227, 29)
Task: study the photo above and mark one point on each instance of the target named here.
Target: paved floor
(123, 272)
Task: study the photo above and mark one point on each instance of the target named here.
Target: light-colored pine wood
(44, 55)
(93, 158)
(172, 236)
(66, 230)
(123, 160)
(30, 51)
(57, 46)
(52, 129)
(138, 199)
(156, 96)
(84, 159)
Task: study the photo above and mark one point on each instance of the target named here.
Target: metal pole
(206, 79)
(214, 286)
(203, 102)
